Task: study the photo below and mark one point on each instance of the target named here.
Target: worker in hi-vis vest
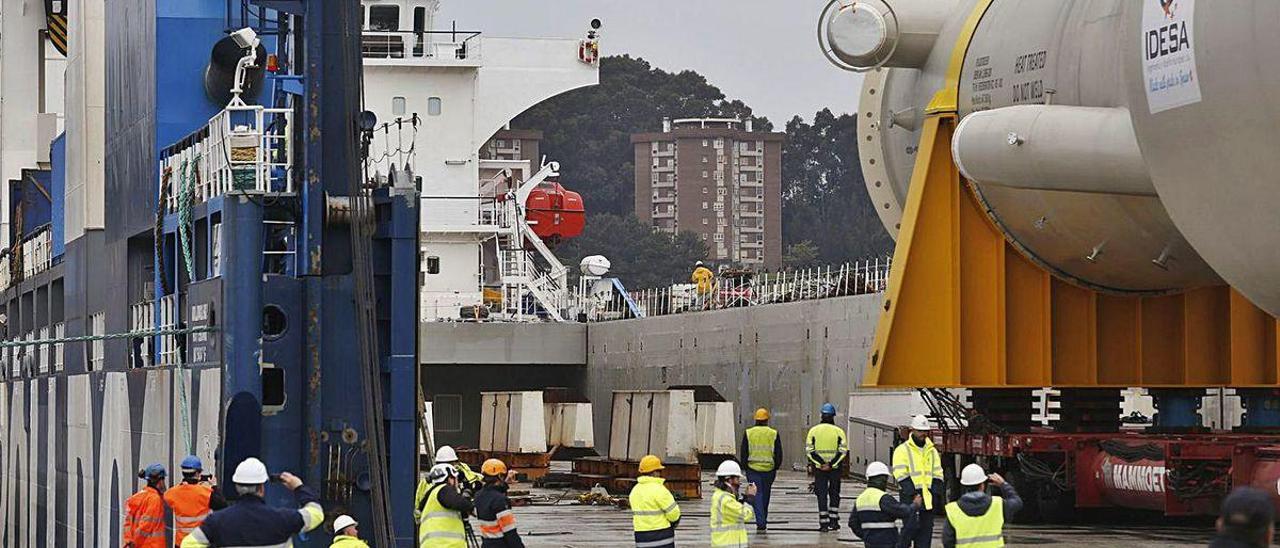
(730, 507)
(917, 467)
(827, 448)
(654, 512)
(875, 511)
(976, 519)
(762, 451)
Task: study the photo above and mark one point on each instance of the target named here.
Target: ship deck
(793, 522)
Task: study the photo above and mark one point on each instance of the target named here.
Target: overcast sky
(761, 51)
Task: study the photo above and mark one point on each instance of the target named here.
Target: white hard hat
(699, 263)
(344, 521)
(728, 468)
(446, 454)
(973, 474)
(441, 472)
(250, 471)
(877, 468)
(920, 422)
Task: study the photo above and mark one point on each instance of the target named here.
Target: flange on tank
(1046, 137)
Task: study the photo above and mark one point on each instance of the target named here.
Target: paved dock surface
(793, 523)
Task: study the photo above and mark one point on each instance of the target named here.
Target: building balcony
(751, 214)
(748, 198)
(752, 244)
(755, 183)
(751, 229)
(664, 214)
(664, 199)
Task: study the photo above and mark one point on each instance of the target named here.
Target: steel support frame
(966, 308)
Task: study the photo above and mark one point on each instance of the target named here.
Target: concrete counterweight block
(570, 425)
(657, 422)
(717, 428)
(512, 422)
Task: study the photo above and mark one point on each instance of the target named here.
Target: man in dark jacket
(493, 508)
(978, 515)
(875, 510)
(1247, 520)
(249, 521)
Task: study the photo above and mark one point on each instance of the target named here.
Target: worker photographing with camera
(193, 499)
(249, 521)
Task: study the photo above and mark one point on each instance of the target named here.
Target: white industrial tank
(1124, 145)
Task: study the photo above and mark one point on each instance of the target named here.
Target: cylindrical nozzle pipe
(1041, 147)
(875, 33)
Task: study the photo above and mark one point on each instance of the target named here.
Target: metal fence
(733, 290)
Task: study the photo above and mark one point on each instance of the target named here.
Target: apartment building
(718, 178)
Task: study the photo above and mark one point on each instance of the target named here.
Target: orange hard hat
(762, 414)
(650, 463)
(493, 467)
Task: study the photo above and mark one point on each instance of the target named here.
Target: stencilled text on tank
(1028, 70)
(984, 83)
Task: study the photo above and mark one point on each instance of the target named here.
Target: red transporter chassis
(1177, 474)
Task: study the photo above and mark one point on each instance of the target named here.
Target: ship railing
(152, 315)
(246, 148)
(421, 45)
(37, 252)
(852, 278)
(6, 276)
(97, 347)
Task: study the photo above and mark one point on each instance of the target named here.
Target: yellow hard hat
(762, 414)
(650, 463)
(493, 467)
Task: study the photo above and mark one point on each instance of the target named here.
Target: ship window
(433, 106)
(397, 106)
(384, 18)
(274, 322)
(273, 397)
(419, 19)
(433, 265)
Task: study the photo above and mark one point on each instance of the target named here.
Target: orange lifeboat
(555, 214)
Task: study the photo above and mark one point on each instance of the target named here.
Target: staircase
(520, 270)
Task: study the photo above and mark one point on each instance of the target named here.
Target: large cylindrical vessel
(1146, 163)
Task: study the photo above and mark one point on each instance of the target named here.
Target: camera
(275, 478)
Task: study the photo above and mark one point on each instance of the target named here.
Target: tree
(800, 255)
(824, 197)
(641, 257)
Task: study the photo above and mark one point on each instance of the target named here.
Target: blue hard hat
(155, 471)
(828, 409)
(192, 462)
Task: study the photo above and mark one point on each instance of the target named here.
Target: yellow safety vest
(344, 541)
(467, 475)
(827, 440)
(440, 527)
(985, 531)
(921, 464)
(729, 519)
(653, 508)
(760, 443)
